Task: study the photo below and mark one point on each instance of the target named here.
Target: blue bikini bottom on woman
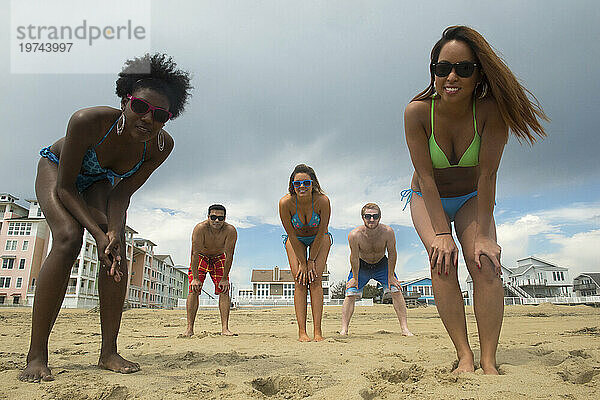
(307, 240)
(451, 205)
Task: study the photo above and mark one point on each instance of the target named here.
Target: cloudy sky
(278, 83)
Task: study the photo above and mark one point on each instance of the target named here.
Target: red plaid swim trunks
(214, 265)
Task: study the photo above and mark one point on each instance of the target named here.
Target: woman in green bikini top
(472, 101)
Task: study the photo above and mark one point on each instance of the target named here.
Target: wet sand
(545, 352)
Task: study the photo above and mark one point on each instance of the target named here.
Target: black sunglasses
(463, 69)
(215, 217)
(371, 216)
(141, 107)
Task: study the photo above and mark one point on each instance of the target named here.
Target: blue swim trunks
(366, 272)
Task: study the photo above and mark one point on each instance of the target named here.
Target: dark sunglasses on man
(141, 107)
(371, 216)
(463, 69)
(217, 217)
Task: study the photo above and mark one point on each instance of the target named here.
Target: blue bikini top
(91, 166)
(315, 219)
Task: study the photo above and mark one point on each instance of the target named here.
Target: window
(25, 244)
(16, 299)
(22, 263)
(19, 228)
(5, 282)
(427, 291)
(39, 212)
(554, 275)
(19, 283)
(8, 263)
(11, 245)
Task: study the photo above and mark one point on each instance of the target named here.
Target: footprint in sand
(283, 386)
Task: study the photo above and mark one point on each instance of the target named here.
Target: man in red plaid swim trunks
(213, 243)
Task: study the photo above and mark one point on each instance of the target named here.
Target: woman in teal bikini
(304, 213)
(80, 185)
(456, 130)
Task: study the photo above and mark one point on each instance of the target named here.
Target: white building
(533, 277)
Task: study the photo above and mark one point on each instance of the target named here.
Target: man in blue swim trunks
(368, 260)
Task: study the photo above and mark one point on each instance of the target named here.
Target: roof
(595, 276)
(413, 281)
(148, 241)
(164, 257)
(266, 275)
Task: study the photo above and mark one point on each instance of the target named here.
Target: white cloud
(514, 237)
(579, 252)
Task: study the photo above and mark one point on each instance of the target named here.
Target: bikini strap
(432, 100)
(105, 136)
(474, 119)
(144, 154)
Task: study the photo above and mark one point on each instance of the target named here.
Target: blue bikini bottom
(451, 205)
(307, 240)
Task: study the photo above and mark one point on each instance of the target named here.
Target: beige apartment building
(25, 240)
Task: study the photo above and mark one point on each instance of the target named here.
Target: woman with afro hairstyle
(86, 180)
(456, 130)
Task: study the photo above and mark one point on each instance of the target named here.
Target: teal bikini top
(470, 157)
(315, 218)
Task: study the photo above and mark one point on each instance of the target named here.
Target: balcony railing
(585, 286)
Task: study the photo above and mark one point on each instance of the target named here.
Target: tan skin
(307, 266)
(211, 238)
(370, 242)
(101, 210)
(474, 222)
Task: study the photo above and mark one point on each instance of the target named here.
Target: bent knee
(67, 240)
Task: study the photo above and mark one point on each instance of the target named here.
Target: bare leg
(401, 312)
(191, 306)
(316, 306)
(488, 294)
(446, 291)
(316, 289)
(224, 305)
(54, 274)
(112, 296)
(347, 311)
(300, 292)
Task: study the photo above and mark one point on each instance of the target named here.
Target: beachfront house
(279, 284)
(533, 278)
(24, 239)
(419, 285)
(587, 284)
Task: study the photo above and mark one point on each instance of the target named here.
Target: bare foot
(36, 371)
(227, 332)
(115, 362)
(318, 338)
(343, 332)
(489, 369)
(303, 337)
(188, 333)
(465, 364)
(406, 332)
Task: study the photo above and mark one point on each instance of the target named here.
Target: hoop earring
(120, 128)
(484, 89)
(161, 141)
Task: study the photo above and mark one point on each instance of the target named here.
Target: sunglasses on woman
(463, 69)
(217, 217)
(141, 107)
(306, 183)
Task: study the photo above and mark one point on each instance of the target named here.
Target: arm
(324, 209)
(354, 259)
(120, 195)
(493, 140)
(299, 249)
(197, 242)
(229, 249)
(443, 252)
(77, 141)
(390, 245)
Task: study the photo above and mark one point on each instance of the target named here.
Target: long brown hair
(519, 112)
(303, 168)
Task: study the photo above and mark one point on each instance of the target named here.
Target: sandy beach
(545, 352)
